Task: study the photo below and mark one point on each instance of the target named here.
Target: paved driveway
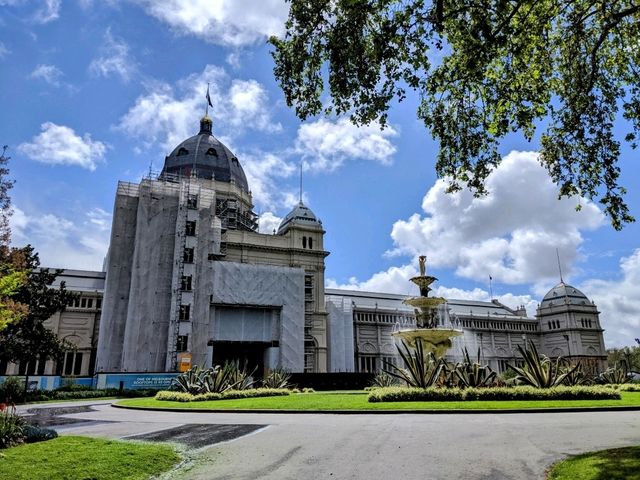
(394, 447)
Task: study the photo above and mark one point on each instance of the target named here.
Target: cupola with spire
(207, 157)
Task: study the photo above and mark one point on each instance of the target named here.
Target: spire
(206, 124)
(559, 267)
(300, 183)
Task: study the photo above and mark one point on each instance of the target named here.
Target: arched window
(183, 151)
(212, 152)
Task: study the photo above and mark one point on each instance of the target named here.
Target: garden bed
(358, 402)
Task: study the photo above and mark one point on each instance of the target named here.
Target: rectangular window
(181, 345)
(76, 302)
(185, 283)
(41, 364)
(98, 303)
(90, 303)
(188, 255)
(77, 366)
(83, 303)
(68, 363)
(190, 228)
(192, 201)
(185, 310)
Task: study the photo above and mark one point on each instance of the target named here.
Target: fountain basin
(424, 302)
(434, 340)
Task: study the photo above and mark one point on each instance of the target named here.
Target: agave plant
(539, 371)
(384, 379)
(191, 381)
(219, 379)
(421, 370)
(473, 374)
(241, 378)
(277, 378)
(616, 375)
(575, 376)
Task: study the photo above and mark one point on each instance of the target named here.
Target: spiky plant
(473, 374)
(421, 370)
(191, 381)
(384, 379)
(539, 371)
(575, 376)
(220, 379)
(616, 375)
(277, 378)
(241, 378)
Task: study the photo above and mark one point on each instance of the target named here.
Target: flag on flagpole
(209, 97)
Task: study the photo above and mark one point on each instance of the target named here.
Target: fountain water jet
(434, 337)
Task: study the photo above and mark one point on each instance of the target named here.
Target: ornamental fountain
(435, 337)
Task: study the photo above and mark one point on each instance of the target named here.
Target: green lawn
(616, 464)
(358, 401)
(86, 458)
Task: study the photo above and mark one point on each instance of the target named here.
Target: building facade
(190, 281)
(566, 325)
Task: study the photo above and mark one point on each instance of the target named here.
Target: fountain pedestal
(434, 337)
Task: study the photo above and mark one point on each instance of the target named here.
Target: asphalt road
(394, 446)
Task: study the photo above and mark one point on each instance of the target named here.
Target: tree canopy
(28, 339)
(482, 69)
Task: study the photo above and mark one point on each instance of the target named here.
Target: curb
(391, 412)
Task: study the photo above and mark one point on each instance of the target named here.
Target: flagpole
(206, 111)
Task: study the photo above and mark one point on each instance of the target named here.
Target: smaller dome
(301, 215)
(563, 294)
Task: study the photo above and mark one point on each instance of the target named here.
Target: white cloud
(4, 51)
(174, 110)
(59, 145)
(618, 301)
(510, 234)
(49, 11)
(224, 22)
(325, 144)
(262, 169)
(62, 243)
(268, 222)
(115, 59)
(49, 73)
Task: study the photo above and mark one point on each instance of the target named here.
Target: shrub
(12, 390)
(308, 390)
(256, 392)
(227, 395)
(625, 387)
(11, 426)
(492, 393)
(73, 387)
(409, 394)
(277, 378)
(34, 434)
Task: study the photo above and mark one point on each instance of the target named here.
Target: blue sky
(99, 91)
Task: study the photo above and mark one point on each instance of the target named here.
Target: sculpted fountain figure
(435, 337)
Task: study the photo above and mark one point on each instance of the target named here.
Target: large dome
(300, 215)
(210, 158)
(563, 294)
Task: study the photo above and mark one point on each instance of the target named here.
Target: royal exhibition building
(188, 280)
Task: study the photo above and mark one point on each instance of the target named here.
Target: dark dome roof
(210, 158)
(563, 294)
(300, 215)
